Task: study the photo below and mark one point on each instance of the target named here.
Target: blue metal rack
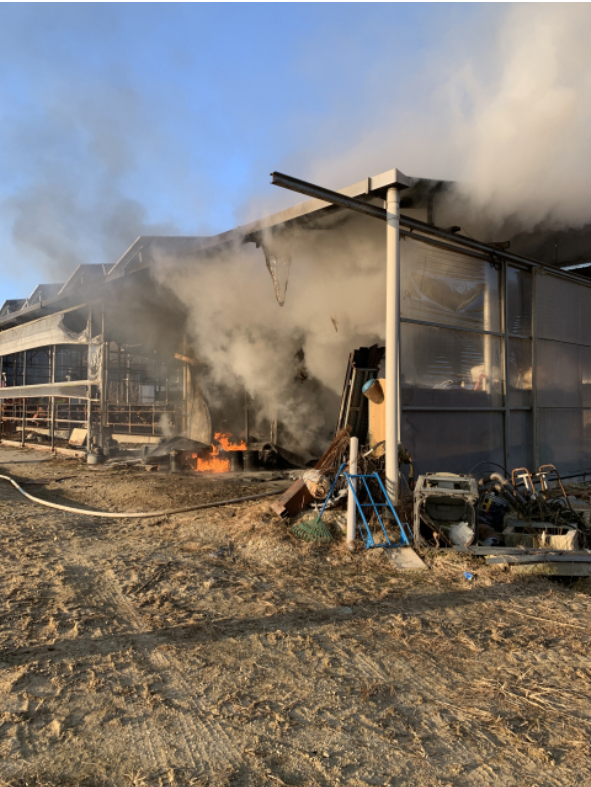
(363, 526)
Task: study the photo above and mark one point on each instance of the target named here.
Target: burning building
(495, 346)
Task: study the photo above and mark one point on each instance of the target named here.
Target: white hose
(136, 515)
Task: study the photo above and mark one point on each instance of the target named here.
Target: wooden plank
(519, 551)
(78, 437)
(555, 569)
(515, 559)
(405, 559)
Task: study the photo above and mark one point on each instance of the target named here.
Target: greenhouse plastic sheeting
(437, 285)
(41, 333)
(450, 368)
(559, 310)
(565, 438)
(559, 374)
(520, 440)
(520, 372)
(519, 301)
(454, 442)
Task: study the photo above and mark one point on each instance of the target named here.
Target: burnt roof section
(42, 292)
(11, 305)
(85, 274)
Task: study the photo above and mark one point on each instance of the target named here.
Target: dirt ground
(213, 648)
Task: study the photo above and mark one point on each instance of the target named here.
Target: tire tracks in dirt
(171, 731)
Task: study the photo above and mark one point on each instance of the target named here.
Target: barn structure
(495, 346)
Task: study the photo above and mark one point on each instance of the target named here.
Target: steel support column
(89, 396)
(104, 377)
(52, 420)
(24, 422)
(392, 342)
(507, 416)
(534, 366)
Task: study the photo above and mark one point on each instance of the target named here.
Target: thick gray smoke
(290, 359)
(71, 207)
(500, 104)
(510, 123)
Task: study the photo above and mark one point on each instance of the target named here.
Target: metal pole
(1, 400)
(52, 422)
(24, 426)
(104, 378)
(507, 414)
(351, 505)
(534, 363)
(89, 391)
(392, 341)
(246, 419)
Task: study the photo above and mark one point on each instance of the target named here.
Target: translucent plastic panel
(520, 372)
(585, 298)
(441, 286)
(452, 442)
(559, 309)
(559, 369)
(565, 439)
(450, 368)
(520, 440)
(519, 301)
(586, 376)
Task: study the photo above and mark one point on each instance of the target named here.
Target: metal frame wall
(504, 335)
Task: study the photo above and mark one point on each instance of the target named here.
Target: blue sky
(121, 119)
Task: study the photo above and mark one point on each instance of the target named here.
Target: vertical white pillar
(392, 341)
(351, 505)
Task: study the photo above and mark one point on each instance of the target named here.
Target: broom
(312, 530)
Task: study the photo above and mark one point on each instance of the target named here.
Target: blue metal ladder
(363, 526)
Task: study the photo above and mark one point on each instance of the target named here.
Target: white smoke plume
(334, 304)
(501, 105)
(509, 123)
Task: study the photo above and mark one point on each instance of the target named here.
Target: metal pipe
(1, 400)
(52, 420)
(507, 415)
(351, 505)
(89, 392)
(104, 377)
(534, 369)
(392, 341)
(459, 241)
(462, 329)
(24, 424)
(246, 419)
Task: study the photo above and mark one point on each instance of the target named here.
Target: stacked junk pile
(527, 520)
(345, 490)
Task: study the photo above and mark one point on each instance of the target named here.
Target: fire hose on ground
(137, 514)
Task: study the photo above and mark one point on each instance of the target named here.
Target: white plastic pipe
(351, 505)
(392, 340)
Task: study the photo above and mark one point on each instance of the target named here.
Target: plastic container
(374, 391)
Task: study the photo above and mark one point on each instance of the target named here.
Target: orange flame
(213, 463)
(225, 440)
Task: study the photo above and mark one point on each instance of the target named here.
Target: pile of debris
(529, 519)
